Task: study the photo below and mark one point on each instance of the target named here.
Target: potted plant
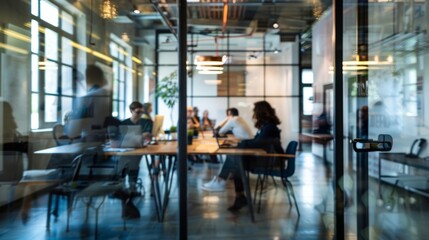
(167, 89)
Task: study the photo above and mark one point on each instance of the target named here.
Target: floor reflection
(208, 217)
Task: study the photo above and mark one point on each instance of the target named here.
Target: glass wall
(384, 54)
(66, 74)
(249, 74)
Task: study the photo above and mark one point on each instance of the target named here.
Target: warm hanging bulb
(108, 10)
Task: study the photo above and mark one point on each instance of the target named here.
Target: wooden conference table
(167, 152)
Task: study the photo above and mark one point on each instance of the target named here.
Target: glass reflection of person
(362, 122)
(9, 128)
(93, 108)
(10, 142)
(10, 136)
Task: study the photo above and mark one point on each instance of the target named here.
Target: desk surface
(403, 159)
(75, 148)
(324, 137)
(205, 146)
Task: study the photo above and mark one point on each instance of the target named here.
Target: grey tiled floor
(209, 219)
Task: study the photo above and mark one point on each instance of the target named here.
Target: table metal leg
(155, 187)
(167, 182)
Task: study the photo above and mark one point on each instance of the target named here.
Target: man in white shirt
(237, 125)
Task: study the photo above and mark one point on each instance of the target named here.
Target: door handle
(384, 143)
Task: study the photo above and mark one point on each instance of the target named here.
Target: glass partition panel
(385, 96)
(216, 107)
(281, 80)
(245, 80)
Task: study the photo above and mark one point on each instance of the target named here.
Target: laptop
(216, 134)
(131, 136)
(223, 144)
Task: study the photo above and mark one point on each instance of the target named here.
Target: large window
(52, 81)
(307, 92)
(122, 76)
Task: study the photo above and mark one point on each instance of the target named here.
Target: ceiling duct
(214, 27)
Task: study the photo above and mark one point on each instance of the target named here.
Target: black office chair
(60, 136)
(14, 175)
(278, 167)
(69, 189)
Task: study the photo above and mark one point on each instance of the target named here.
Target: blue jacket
(267, 137)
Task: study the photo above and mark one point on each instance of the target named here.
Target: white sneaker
(215, 185)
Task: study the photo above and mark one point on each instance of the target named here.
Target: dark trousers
(231, 166)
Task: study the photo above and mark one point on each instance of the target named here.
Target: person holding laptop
(267, 138)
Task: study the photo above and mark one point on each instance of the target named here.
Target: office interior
(360, 64)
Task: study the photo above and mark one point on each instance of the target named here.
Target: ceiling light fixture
(108, 9)
(276, 25)
(209, 68)
(210, 72)
(210, 64)
(209, 60)
(136, 10)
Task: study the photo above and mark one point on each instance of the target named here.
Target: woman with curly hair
(267, 138)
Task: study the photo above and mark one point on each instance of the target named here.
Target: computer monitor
(157, 125)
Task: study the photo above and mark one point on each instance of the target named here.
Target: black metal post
(182, 138)
(362, 132)
(339, 119)
(300, 98)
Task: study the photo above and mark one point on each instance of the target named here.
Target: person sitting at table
(147, 110)
(193, 121)
(196, 118)
(193, 124)
(132, 163)
(137, 110)
(206, 122)
(223, 122)
(267, 138)
(236, 125)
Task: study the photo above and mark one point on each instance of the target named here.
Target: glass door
(384, 81)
